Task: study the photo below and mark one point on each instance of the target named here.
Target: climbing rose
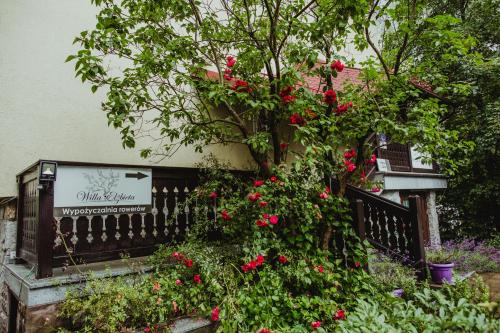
(343, 108)
(231, 61)
(349, 166)
(337, 65)
(266, 216)
(228, 74)
(288, 99)
(283, 259)
(316, 324)
(320, 268)
(375, 189)
(258, 183)
(350, 154)
(273, 179)
(323, 195)
(225, 215)
(147, 329)
(283, 145)
(241, 86)
(178, 282)
(156, 286)
(254, 196)
(197, 279)
(261, 223)
(260, 259)
(339, 315)
(286, 91)
(265, 330)
(215, 314)
(188, 263)
(213, 195)
(273, 219)
(357, 264)
(297, 119)
(263, 204)
(330, 97)
(373, 159)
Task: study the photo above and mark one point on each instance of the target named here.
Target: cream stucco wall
(45, 113)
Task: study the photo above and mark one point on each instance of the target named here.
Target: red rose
(215, 314)
(266, 216)
(265, 330)
(254, 196)
(260, 259)
(375, 189)
(241, 86)
(225, 215)
(188, 263)
(330, 97)
(252, 264)
(228, 74)
(349, 166)
(350, 154)
(357, 264)
(258, 183)
(337, 66)
(231, 61)
(178, 282)
(213, 195)
(297, 119)
(156, 286)
(320, 268)
(283, 145)
(316, 324)
(273, 179)
(273, 219)
(288, 99)
(286, 91)
(339, 315)
(176, 255)
(323, 195)
(147, 329)
(245, 268)
(197, 279)
(283, 259)
(261, 223)
(373, 159)
(263, 204)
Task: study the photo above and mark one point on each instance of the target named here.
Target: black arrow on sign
(137, 175)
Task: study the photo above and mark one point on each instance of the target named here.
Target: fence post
(359, 219)
(418, 249)
(45, 233)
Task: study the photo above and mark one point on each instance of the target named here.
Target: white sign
(383, 164)
(87, 191)
(416, 160)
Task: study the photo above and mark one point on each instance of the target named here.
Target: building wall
(45, 112)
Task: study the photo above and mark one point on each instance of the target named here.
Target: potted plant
(440, 263)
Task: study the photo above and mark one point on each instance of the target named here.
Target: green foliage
(429, 311)
(390, 275)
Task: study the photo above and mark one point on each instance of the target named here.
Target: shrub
(430, 311)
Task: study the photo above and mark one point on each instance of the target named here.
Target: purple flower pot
(441, 272)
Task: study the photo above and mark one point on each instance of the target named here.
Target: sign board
(383, 164)
(416, 160)
(87, 191)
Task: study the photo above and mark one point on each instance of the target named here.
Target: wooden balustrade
(48, 241)
(388, 226)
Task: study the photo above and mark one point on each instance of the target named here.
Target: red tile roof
(348, 76)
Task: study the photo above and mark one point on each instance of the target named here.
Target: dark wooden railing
(49, 241)
(390, 227)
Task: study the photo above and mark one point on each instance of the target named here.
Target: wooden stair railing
(390, 227)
